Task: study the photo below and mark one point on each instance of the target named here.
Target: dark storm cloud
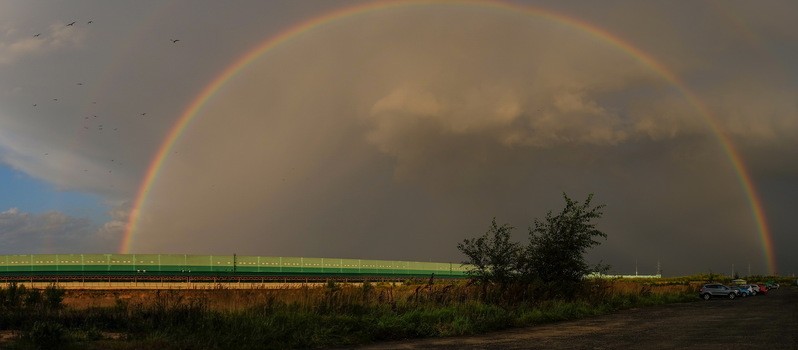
(391, 143)
(396, 134)
(53, 232)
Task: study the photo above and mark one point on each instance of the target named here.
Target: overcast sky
(398, 132)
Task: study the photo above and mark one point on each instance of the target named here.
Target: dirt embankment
(220, 299)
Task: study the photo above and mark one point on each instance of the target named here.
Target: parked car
(743, 291)
(754, 287)
(772, 285)
(749, 288)
(716, 290)
(763, 289)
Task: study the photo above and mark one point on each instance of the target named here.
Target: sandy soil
(761, 322)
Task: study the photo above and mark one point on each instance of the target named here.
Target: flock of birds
(98, 120)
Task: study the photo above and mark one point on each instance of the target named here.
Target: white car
(754, 288)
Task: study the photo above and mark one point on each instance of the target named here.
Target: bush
(53, 296)
(46, 335)
(34, 299)
(552, 261)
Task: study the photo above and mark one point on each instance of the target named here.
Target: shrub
(53, 296)
(46, 335)
(34, 299)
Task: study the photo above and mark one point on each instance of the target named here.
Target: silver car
(716, 290)
(755, 288)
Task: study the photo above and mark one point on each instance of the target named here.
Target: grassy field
(330, 315)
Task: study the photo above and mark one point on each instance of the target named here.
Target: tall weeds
(332, 315)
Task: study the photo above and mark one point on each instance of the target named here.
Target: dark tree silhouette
(553, 259)
(493, 255)
(557, 245)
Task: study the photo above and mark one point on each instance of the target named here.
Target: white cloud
(53, 232)
(15, 47)
(114, 229)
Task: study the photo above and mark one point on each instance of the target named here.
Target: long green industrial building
(215, 266)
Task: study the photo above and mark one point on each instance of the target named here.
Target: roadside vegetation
(512, 285)
(334, 315)
(551, 265)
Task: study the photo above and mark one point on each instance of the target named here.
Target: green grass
(333, 315)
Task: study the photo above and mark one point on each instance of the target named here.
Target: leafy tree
(553, 259)
(493, 255)
(557, 244)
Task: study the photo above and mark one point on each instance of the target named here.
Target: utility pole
(659, 269)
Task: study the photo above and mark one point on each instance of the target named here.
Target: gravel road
(761, 322)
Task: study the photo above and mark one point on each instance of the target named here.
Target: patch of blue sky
(31, 195)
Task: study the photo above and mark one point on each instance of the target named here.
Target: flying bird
(71, 24)
(80, 83)
(34, 105)
(143, 114)
(55, 99)
(174, 40)
(90, 22)
(37, 35)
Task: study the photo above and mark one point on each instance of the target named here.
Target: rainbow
(320, 21)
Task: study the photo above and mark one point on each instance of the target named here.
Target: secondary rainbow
(297, 30)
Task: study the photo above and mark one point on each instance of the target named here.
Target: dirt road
(761, 322)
